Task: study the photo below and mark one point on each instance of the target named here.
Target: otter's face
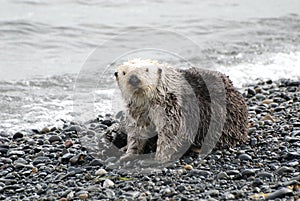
(137, 82)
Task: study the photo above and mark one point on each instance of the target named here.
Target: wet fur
(177, 106)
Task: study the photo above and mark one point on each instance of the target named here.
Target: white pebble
(108, 183)
(100, 172)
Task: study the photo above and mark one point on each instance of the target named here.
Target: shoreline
(52, 164)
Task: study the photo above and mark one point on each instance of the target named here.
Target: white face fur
(138, 78)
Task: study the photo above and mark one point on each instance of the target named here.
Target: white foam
(267, 66)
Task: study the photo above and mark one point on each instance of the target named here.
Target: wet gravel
(58, 164)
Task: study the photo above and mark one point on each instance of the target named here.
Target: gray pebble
(213, 192)
(41, 159)
(222, 175)
(248, 172)
(110, 193)
(264, 175)
(279, 193)
(284, 169)
(228, 196)
(257, 182)
(15, 152)
(243, 157)
(54, 138)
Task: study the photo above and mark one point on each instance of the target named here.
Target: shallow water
(45, 44)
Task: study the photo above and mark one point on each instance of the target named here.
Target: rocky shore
(57, 164)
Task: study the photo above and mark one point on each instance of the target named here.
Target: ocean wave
(267, 66)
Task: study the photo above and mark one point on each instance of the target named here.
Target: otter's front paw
(127, 157)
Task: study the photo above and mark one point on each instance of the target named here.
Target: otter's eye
(147, 70)
(124, 73)
(116, 74)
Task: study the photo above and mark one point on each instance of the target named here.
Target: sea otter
(185, 108)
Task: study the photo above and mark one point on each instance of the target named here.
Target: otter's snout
(134, 80)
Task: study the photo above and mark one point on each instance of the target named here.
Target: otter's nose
(134, 80)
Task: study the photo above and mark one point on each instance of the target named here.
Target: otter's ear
(159, 71)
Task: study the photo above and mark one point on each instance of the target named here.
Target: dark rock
(251, 92)
(293, 83)
(3, 151)
(181, 188)
(253, 141)
(296, 124)
(66, 157)
(73, 128)
(248, 172)
(264, 175)
(269, 81)
(45, 130)
(292, 155)
(18, 135)
(77, 159)
(54, 138)
(257, 182)
(96, 162)
(196, 172)
(278, 109)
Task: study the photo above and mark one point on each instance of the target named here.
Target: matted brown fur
(177, 105)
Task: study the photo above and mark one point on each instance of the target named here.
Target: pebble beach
(54, 164)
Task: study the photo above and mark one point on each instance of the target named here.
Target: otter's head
(138, 79)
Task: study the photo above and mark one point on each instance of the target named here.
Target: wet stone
(284, 169)
(110, 193)
(265, 175)
(73, 128)
(132, 194)
(296, 124)
(243, 157)
(251, 92)
(248, 172)
(15, 152)
(77, 159)
(100, 172)
(3, 151)
(66, 157)
(18, 135)
(76, 170)
(196, 172)
(253, 141)
(108, 183)
(213, 193)
(279, 193)
(257, 182)
(278, 109)
(228, 196)
(222, 175)
(96, 162)
(54, 138)
(41, 159)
